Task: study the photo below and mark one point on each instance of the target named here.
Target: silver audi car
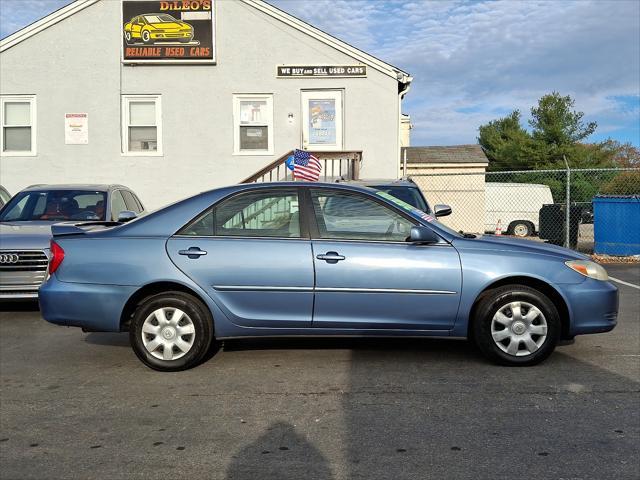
(25, 228)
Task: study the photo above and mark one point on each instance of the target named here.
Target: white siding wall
(74, 66)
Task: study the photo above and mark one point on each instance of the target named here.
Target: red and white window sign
(76, 128)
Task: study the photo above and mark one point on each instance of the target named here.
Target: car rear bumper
(90, 306)
(593, 305)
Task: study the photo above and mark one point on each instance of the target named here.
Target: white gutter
(406, 81)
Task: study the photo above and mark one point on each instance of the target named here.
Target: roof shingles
(446, 154)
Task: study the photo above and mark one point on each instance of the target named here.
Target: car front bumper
(593, 306)
(93, 307)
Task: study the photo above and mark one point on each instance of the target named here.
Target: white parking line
(625, 283)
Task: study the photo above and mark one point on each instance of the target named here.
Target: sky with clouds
(476, 61)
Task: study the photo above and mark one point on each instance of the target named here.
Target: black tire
(196, 311)
(127, 38)
(521, 228)
(148, 35)
(493, 301)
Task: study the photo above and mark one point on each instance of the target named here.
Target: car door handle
(192, 252)
(330, 257)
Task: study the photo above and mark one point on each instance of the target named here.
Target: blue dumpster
(616, 224)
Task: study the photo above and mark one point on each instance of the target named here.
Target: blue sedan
(313, 259)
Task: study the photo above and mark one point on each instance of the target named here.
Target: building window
(142, 125)
(253, 124)
(18, 125)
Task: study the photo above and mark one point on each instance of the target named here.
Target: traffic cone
(499, 227)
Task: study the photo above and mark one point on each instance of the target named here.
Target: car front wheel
(171, 331)
(516, 325)
(146, 36)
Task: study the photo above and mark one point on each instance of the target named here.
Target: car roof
(400, 182)
(76, 186)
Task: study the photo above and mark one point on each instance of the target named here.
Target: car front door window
(347, 216)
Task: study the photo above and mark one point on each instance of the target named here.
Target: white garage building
(174, 97)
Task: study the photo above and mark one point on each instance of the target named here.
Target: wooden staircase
(335, 166)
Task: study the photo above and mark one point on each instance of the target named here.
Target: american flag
(306, 166)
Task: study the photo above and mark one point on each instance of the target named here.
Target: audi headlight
(588, 269)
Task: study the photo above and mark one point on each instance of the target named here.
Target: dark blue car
(286, 259)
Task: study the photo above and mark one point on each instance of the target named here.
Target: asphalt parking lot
(76, 405)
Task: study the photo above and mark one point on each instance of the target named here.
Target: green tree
(506, 143)
(627, 183)
(555, 123)
(557, 131)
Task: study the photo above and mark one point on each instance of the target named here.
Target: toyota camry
(313, 259)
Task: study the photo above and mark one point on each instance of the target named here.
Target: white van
(516, 206)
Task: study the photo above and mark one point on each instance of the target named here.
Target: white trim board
(44, 23)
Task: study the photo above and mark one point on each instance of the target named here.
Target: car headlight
(588, 269)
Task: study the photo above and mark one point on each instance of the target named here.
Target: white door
(322, 120)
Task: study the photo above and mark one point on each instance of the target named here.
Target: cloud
(474, 61)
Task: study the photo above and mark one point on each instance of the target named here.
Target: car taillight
(57, 256)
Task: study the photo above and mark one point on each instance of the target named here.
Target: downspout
(403, 89)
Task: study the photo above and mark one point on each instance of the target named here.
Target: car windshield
(55, 205)
(159, 18)
(416, 212)
(408, 195)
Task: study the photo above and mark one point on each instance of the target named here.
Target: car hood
(498, 242)
(25, 235)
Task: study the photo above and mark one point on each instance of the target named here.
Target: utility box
(616, 224)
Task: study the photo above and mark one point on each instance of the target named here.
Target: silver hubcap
(519, 328)
(168, 333)
(521, 230)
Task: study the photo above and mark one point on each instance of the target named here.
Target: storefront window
(142, 125)
(253, 118)
(18, 125)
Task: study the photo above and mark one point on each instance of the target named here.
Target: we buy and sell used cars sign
(175, 31)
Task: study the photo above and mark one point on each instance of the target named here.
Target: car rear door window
(254, 214)
(349, 216)
(259, 214)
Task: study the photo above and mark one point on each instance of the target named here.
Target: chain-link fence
(531, 204)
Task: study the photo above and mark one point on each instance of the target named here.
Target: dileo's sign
(171, 31)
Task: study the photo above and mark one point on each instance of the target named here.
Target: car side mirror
(126, 215)
(423, 234)
(442, 210)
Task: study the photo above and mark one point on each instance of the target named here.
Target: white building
(104, 91)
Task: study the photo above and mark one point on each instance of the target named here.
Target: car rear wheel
(171, 331)
(516, 325)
